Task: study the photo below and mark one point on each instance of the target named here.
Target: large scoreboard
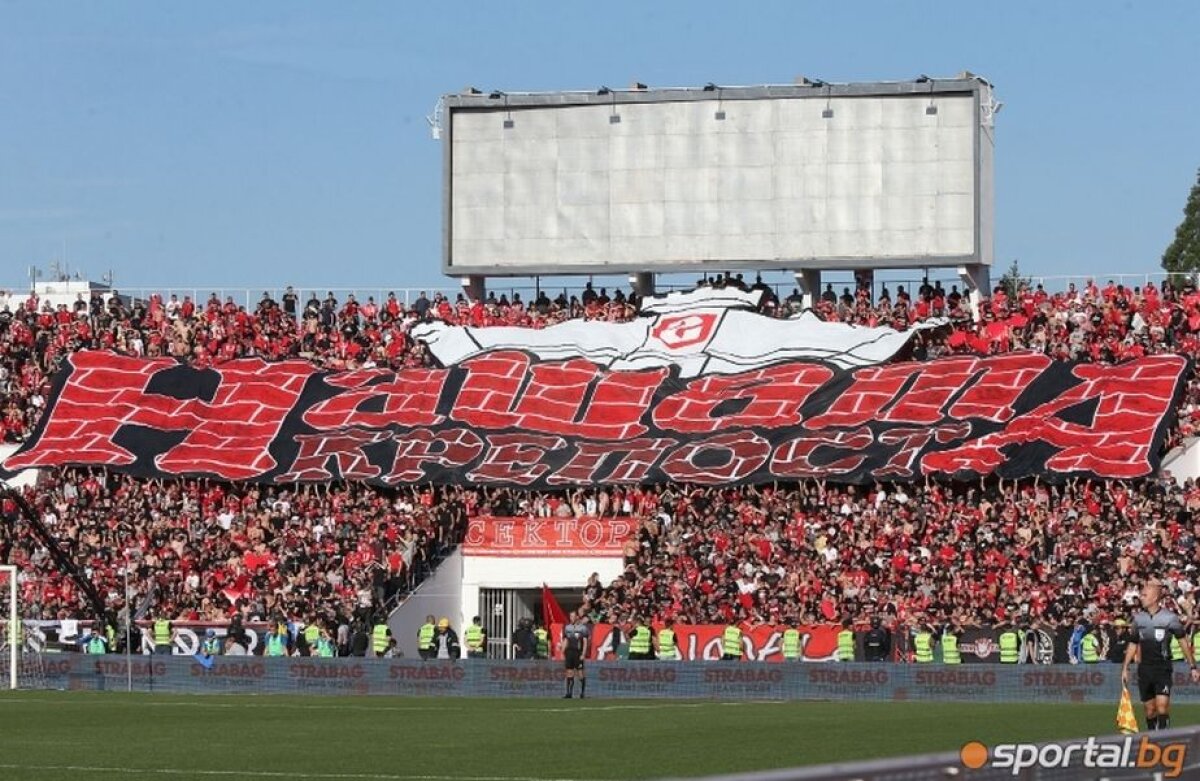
(811, 175)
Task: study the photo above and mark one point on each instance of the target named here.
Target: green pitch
(111, 737)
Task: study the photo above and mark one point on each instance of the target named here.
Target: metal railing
(250, 297)
(780, 283)
(1059, 282)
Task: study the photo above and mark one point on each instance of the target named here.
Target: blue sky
(243, 144)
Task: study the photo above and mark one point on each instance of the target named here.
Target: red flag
(239, 590)
(552, 612)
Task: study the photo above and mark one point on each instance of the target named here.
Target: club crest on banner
(679, 331)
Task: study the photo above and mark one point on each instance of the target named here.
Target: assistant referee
(1152, 628)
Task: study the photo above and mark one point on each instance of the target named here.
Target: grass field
(107, 736)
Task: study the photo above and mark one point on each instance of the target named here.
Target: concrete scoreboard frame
(803, 177)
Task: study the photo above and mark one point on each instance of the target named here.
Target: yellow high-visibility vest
(379, 638)
(791, 644)
(845, 645)
(666, 643)
(950, 653)
(732, 642)
(1009, 647)
(923, 647)
(639, 641)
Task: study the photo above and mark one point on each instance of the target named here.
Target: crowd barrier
(1098, 683)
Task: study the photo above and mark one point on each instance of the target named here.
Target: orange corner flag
(1126, 721)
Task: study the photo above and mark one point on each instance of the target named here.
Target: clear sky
(243, 144)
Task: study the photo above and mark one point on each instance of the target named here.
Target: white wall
(439, 596)
(1184, 461)
(529, 572)
(53, 293)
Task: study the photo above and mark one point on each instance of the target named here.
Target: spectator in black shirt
(290, 300)
(360, 640)
(524, 644)
(421, 305)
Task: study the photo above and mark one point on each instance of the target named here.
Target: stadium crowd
(790, 553)
(991, 553)
(209, 550)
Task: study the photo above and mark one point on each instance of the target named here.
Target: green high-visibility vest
(162, 632)
(639, 641)
(791, 644)
(211, 647)
(1176, 650)
(950, 653)
(95, 646)
(1091, 649)
(845, 640)
(732, 641)
(543, 642)
(923, 647)
(425, 636)
(276, 646)
(324, 648)
(474, 636)
(666, 644)
(312, 633)
(1009, 645)
(379, 638)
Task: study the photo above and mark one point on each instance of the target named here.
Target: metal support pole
(128, 631)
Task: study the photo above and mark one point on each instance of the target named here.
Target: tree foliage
(1013, 280)
(1183, 256)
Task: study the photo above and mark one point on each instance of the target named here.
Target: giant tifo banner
(709, 395)
(495, 536)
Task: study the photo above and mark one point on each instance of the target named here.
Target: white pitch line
(177, 771)
(200, 702)
(659, 706)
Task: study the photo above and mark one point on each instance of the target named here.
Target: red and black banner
(505, 418)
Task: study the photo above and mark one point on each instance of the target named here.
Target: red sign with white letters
(501, 536)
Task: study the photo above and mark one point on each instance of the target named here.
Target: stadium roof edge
(809, 89)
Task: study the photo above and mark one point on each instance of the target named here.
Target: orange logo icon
(974, 755)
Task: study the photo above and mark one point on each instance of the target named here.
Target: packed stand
(980, 554)
(205, 551)
(796, 553)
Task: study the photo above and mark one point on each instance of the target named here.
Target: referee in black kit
(1152, 630)
(576, 638)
